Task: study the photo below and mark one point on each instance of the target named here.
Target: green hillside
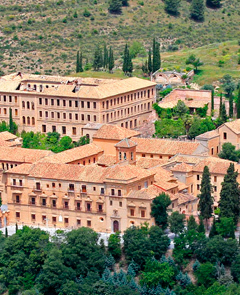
(44, 36)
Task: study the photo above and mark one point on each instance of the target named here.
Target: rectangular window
(94, 105)
(78, 222)
(40, 100)
(66, 220)
(74, 130)
(88, 207)
(132, 212)
(111, 203)
(17, 214)
(215, 178)
(82, 104)
(14, 182)
(112, 192)
(70, 103)
(20, 182)
(198, 177)
(102, 191)
(64, 102)
(215, 188)
(142, 213)
(52, 102)
(120, 204)
(76, 104)
(88, 104)
(58, 102)
(64, 116)
(198, 187)
(33, 216)
(70, 116)
(46, 101)
(54, 219)
(76, 117)
(119, 193)
(44, 128)
(224, 135)
(63, 129)
(89, 223)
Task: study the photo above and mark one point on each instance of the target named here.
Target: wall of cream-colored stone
(231, 136)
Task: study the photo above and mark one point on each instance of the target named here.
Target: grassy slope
(38, 44)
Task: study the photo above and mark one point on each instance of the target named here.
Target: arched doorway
(115, 226)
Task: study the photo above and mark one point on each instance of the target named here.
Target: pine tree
(16, 225)
(213, 230)
(6, 232)
(230, 105)
(105, 57)
(115, 6)
(197, 10)
(80, 63)
(192, 224)
(110, 261)
(213, 3)
(196, 265)
(106, 274)
(205, 198)
(11, 123)
(77, 63)
(212, 100)
(229, 195)
(238, 103)
(172, 6)
(111, 60)
(201, 228)
(149, 62)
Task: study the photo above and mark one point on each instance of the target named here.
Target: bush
(86, 13)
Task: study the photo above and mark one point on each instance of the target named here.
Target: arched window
(23, 120)
(28, 120)
(23, 104)
(28, 105)
(33, 121)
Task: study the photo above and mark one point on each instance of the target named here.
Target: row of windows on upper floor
(127, 98)
(58, 115)
(9, 98)
(214, 178)
(5, 111)
(66, 103)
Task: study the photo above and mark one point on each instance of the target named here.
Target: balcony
(100, 210)
(83, 194)
(88, 209)
(37, 189)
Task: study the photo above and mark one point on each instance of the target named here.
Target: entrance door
(115, 226)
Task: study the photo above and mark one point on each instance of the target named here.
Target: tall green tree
(149, 62)
(77, 63)
(156, 63)
(192, 224)
(238, 103)
(228, 84)
(193, 60)
(105, 56)
(212, 100)
(115, 6)
(223, 115)
(11, 123)
(80, 62)
(172, 6)
(114, 245)
(125, 3)
(177, 222)
(205, 204)
(127, 61)
(213, 231)
(230, 105)
(220, 105)
(197, 10)
(111, 60)
(229, 152)
(159, 210)
(229, 195)
(97, 62)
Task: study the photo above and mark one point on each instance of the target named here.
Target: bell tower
(126, 151)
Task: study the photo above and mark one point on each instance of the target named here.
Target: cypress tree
(192, 224)
(238, 103)
(229, 195)
(197, 10)
(230, 105)
(149, 61)
(212, 100)
(201, 228)
(6, 232)
(111, 60)
(223, 113)
(80, 63)
(97, 63)
(11, 127)
(156, 64)
(125, 59)
(213, 230)
(220, 105)
(213, 3)
(16, 226)
(172, 6)
(115, 6)
(130, 64)
(205, 198)
(77, 63)
(105, 57)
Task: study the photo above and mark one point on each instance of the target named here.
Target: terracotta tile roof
(165, 147)
(65, 86)
(189, 159)
(74, 154)
(149, 193)
(189, 103)
(7, 143)
(106, 160)
(114, 132)
(89, 173)
(5, 135)
(126, 143)
(208, 135)
(127, 173)
(215, 165)
(22, 155)
(234, 126)
(146, 163)
(181, 186)
(183, 167)
(164, 178)
(185, 198)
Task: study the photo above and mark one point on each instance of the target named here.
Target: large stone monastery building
(65, 104)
